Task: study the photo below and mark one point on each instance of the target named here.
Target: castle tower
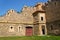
(53, 9)
(39, 20)
(53, 15)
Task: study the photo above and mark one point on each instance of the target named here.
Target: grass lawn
(31, 38)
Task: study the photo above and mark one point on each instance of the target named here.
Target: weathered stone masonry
(42, 19)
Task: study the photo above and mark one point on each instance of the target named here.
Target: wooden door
(29, 31)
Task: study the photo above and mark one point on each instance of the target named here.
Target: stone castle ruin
(42, 19)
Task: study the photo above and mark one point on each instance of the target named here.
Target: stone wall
(53, 17)
(53, 11)
(6, 30)
(53, 28)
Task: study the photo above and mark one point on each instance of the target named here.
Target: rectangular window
(41, 18)
(51, 27)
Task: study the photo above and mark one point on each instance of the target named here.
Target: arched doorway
(29, 31)
(43, 29)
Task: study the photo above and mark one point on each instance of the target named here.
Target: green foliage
(31, 38)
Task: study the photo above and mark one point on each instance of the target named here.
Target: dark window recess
(41, 18)
(19, 28)
(55, 3)
(51, 27)
(11, 27)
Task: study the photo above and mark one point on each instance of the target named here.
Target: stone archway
(43, 30)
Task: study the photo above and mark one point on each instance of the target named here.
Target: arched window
(19, 29)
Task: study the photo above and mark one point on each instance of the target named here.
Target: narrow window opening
(51, 27)
(41, 18)
(55, 3)
(19, 29)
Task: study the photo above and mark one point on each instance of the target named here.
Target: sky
(17, 5)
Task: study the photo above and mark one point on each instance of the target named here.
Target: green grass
(31, 38)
